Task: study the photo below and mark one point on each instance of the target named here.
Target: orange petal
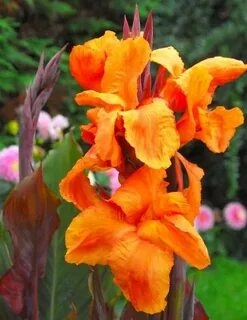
(193, 192)
(142, 270)
(76, 188)
(151, 131)
(223, 70)
(106, 144)
(174, 95)
(169, 58)
(217, 127)
(93, 233)
(123, 68)
(195, 83)
(134, 197)
(171, 202)
(87, 61)
(108, 101)
(176, 233)
(88, 132)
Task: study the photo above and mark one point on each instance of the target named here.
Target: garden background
(197, 29)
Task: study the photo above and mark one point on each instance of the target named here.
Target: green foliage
(221, 289)
(64, 285)
(232, 164)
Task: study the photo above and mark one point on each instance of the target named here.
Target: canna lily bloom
(136, 232)
(192, 91)
(111, 70)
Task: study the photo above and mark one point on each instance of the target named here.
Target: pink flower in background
(113, 176)
(51, 128)
(58, 124)
(9, 164)
(205, 219)
(43, 125)
(235, 215)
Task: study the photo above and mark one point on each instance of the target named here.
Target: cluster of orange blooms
(137, 125)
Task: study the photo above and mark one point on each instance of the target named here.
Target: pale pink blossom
(9, 164)
(205, 218)
(58, 124)
(235, 215)
(113, 177)
(43, 125)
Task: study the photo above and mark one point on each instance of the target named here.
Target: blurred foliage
(220, 289)
(198, 29)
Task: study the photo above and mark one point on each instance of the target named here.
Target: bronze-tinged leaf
(129, 313)
(193, 309)
(30, 216)
(199, 311)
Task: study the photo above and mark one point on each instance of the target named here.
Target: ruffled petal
(93, 233)
(134, 197)
(76, 188)
(87, 61)
(223, 70)
(108, 101)
(193, 192)
(195, 84)
(179, 235)
(217, 127)
(169, 58)
(106, 144)
(151, 131)
(123, 67)
(142, 270)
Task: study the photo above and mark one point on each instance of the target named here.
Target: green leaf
(65, 285)
(59, 161)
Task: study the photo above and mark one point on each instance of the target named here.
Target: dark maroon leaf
(159, 81)
(129, 313)
(149, 30)
(199, 311)
(147, 87)
(136, 26)
(30, 217)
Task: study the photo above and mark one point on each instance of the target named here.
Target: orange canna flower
(133, 127)
(192, 91)
(148, 125)
(135, 232)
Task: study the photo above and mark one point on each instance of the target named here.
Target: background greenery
(198, 29)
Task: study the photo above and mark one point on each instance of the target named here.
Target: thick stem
(175, 304)
(99, 311)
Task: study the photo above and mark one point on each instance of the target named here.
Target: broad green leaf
(65, 285)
